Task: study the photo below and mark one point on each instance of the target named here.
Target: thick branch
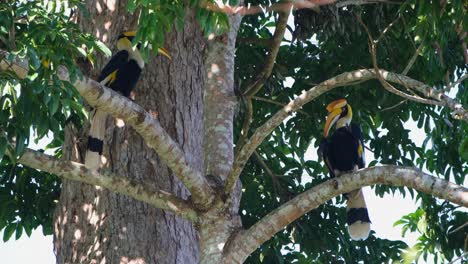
(281, 7)
(248, 241)
(219, 105)
(344, 79)
(140, 191)
(149, 128)
(220, 101)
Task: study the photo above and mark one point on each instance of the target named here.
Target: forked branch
(141, 191)
(249, 240)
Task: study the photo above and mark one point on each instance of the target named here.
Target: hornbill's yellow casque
(343, 152)
(121, 74)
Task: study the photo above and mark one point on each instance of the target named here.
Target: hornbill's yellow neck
(339, 113)
(125, 43)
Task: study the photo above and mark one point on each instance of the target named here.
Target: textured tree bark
(94, 225)
(217, 225)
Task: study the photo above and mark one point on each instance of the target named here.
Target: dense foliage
(328, 43)
(324, 44)
(40, 105)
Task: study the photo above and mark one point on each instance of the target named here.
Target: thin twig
(410, 38)
(245, 125)
(278, 103)
(461, 79)
(268, 171)
(458, 228)
(413, 59)
(387, 28)
(384, 83)
(394, 106)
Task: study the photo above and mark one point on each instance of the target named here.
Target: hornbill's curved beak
(165, 52)
(334, 109)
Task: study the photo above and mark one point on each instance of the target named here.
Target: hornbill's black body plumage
(120, 63)
(343, 151)
(121, 74)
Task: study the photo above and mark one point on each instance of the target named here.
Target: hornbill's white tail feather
(96, 139)
(357, 216)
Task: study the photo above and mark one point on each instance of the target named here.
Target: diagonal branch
(249, 240)
(271, 58)
(255, 87)
(413, 59)
(278, 104)
(109, 101)
(344, 79)
(451, 86)
(140, 191)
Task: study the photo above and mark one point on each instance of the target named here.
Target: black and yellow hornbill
(343, 151)
(121, 74)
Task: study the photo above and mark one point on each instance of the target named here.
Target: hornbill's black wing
(127, 78)
(118, 61)
(323, 152)
(357, 133)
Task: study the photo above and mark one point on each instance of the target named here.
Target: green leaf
(34, 58)
(100, 46)
(8, 231)
(54, 104)
(19, 231)
(81, 51)
(27, 228)
(20, 145)
(462, 150)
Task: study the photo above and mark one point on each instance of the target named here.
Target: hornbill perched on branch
(343, 152)
(121, 74)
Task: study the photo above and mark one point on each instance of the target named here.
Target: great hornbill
(121, 74)
(343, 152)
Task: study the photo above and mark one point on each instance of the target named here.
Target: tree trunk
(93, 225)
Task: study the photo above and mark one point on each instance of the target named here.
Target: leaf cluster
(158, 17)
(38, 106)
